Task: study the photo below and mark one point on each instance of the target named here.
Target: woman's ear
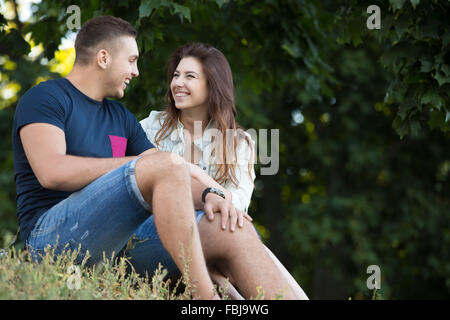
(103, 58)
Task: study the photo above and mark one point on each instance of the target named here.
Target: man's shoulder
(49, 89)
(49, 93)
(56, 85)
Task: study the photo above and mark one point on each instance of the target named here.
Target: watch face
(212, 190)
(217, 191)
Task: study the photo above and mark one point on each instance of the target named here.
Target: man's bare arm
(45, 147)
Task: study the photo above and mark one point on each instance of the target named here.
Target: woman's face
(188, 86)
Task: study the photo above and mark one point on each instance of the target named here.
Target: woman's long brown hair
(221, 107)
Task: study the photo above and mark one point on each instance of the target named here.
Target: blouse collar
(178, 134)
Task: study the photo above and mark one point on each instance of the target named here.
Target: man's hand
(215, 203)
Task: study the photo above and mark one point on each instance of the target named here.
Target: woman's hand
(225, 207)
(215, 203)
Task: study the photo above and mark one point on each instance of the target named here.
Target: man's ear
(103, 58)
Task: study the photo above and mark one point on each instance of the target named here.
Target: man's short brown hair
(101, 29)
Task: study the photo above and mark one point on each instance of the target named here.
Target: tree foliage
(415, 41)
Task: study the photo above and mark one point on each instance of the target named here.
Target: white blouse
(174, 142)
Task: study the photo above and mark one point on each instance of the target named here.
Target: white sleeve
(242, 193)
(151, 125)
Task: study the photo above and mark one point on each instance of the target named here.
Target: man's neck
(85, 80)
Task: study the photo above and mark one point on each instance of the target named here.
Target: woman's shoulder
(245, 140)
(245, 145)
(154, 120)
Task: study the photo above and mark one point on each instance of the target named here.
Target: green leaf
(405, 108)
(220, 3)
(355, 31)
(445, 68)
(426, 66)
(397, 4)
(184, 11)
(415, 3)
(13, 42)
(50, 49)
(292, 49)
(436, 119)
(441, 78)
(123, 3)
(147, 6)
(433, 98)
(393, 54)
(414, 127)
(430, 29)
(312, 84)
(400, 126)
(402, 25)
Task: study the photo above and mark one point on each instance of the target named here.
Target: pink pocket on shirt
(118, 146)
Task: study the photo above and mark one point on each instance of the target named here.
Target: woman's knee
(222, 243)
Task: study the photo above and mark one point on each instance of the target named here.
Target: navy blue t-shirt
(92, 129)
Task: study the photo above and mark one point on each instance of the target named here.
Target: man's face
(123, 67)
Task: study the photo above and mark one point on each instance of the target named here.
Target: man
(84, 170)
(86, 174)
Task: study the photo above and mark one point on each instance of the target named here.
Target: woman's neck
(188, 119)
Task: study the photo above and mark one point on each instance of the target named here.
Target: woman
(199, 125)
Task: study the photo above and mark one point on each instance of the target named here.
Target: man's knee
(160, 165)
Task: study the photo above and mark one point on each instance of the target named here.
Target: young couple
(87, 172)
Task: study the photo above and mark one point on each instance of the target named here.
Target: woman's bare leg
(220, 279)
(241, 256)
(295, 287)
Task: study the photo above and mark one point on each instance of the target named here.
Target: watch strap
(213, 190)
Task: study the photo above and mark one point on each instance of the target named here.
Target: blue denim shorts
(102, 218)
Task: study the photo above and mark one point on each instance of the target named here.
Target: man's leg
(101, 218)
(104, 215)
(146, 251)
(241, 256)
(164, 181)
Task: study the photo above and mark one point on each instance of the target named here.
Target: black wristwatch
(213, 190)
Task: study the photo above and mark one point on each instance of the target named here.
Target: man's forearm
(84, 170)
(70, 173)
